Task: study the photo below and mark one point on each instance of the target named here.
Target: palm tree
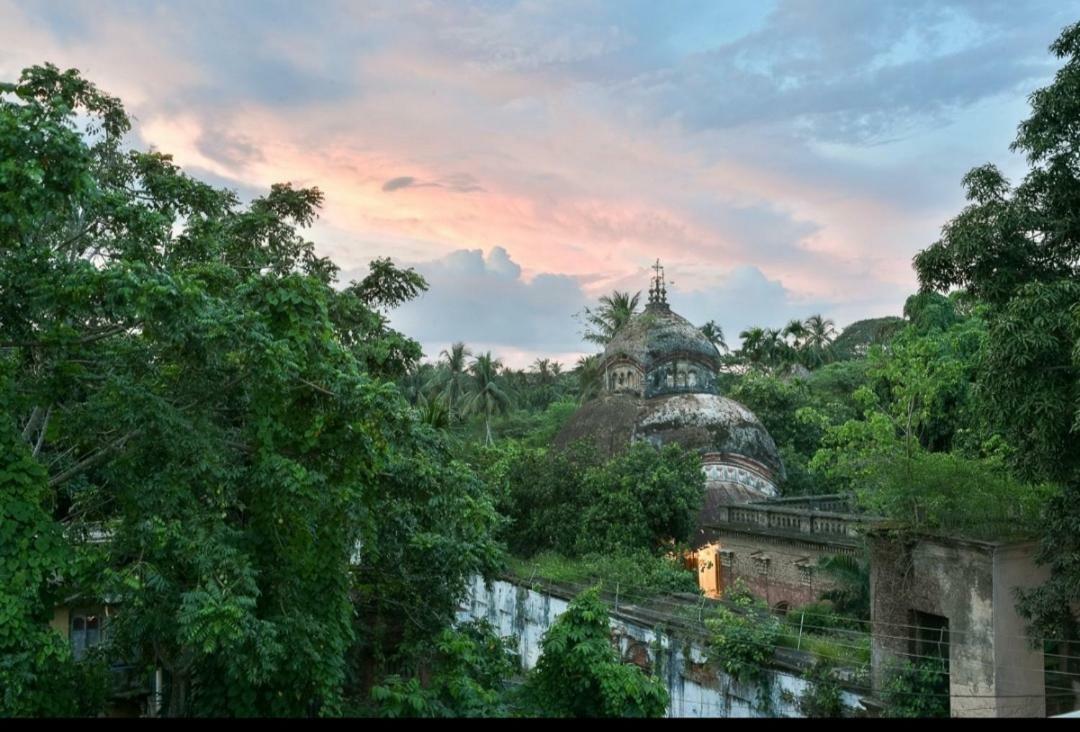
(614, 312)
(434, 411)
(797, 332)
(418, 379)
(752, 346)
(820, 331)
(777, 352)
(456, 376)
(589, 376)
(715, 335)
(488, 395)
(542, 366)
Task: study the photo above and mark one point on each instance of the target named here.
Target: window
(930, 635)
(85, 632)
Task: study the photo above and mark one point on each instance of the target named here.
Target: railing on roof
(775, 516)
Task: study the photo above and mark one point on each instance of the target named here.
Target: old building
(660, 385)
(954, 600)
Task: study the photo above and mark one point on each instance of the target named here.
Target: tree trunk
(178, 692)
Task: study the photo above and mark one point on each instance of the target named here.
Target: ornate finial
(657, 288)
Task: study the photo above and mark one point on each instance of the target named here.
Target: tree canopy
(184, 373)
(1017, 249)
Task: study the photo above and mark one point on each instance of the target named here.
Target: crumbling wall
(696, 688)
(992, 672)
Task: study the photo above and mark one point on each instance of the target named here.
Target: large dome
(715, 426)
(721, 429)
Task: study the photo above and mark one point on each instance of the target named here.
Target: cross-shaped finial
(657, 290)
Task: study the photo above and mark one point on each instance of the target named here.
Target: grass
(639, 575)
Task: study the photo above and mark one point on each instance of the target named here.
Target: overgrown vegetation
(743, 639)
(580, 674)
(574, 503)
(916, 689)
(287, 503)
(823, 696)
(634, 574)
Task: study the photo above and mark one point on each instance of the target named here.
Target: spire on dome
(657, 287)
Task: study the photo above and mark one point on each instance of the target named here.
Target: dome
(721, 429)
(660, 385)
(718, 427)
(738, 456)
(659, 352)
(658, 335)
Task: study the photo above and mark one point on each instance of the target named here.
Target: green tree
(614, 311)
(855, 340)
(454, 377)
(186, 374)
(815, 347)
(643, 498)
(589, 376)
(1018, 250)
(467, 667)
(38, 676)
(714, 334)
(579, 673)
(488, 397)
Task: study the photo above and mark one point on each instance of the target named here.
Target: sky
(781, 158)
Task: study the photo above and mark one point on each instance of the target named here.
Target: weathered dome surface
(607, 421)
(711, 424)
(658, 335)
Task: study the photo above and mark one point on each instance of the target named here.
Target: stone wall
(774, 547)
(695, 688)
(967, 586)
(781, 571)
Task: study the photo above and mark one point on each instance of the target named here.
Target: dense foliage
(186, 376)
(574, 503)
(579, 673)
(1017, 249)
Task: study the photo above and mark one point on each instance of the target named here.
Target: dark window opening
(930, 636)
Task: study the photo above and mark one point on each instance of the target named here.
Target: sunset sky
(780, 158)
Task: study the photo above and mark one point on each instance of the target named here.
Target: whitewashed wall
(526, 615)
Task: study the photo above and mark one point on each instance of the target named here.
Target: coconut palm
(488, 396)
(434, 411)
(797, 332)
(817, 346)
(589, 376)
(542, 367)
(820, 332)
(752, 348)
(614, 312)
(715, 335)
(417, 380)
(455, 375)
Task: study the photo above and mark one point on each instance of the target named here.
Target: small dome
(659, 335)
